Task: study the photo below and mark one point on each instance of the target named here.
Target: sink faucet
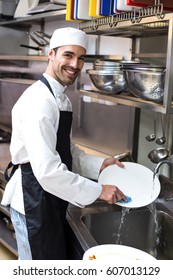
(168, 161)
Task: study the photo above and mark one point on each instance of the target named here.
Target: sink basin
(141, 229)
(147, 228)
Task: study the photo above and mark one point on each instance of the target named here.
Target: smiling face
(65, 63)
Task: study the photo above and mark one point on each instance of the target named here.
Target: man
(47, 165)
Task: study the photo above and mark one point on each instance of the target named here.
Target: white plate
(116, 252)
(134, 180)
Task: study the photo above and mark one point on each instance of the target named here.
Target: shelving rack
(140, 23)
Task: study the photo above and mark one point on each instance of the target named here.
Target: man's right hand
(111, 194)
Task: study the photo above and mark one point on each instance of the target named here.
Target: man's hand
(110, 161)
(111, 194)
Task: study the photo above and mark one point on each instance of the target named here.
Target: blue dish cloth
(128, 199)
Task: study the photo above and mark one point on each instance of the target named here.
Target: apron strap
(14, 168)
(45, 81)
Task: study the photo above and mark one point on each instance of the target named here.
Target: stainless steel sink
(142, 229)
(148, 228)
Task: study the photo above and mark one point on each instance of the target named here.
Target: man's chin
(70, 81)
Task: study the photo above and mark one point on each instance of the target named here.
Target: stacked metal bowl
(145, 81)
(107, 76)
(142, 80)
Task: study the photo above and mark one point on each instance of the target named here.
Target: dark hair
(55, 50)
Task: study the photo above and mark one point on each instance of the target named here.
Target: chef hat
(68, 36)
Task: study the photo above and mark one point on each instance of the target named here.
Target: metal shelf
(138, 24)
(5, 210)
(24, 57)
(31, 19)
(124, 99)
(2, 179)
(17, 81)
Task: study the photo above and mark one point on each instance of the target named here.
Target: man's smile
(71, 72)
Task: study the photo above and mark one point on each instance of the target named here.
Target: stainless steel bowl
(107, 80)
(107, 65)
(146, 83)
(107, 62)
(106, 68)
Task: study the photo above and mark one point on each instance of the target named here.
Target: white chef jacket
(35, 120)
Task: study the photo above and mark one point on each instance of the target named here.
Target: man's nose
(74, 63)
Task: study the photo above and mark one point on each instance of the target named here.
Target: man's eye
(82, 58)
(68, 55)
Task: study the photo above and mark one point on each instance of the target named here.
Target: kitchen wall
(98, 124)
(11, 40)
(147, 127)
(159, 45)
(103, 126)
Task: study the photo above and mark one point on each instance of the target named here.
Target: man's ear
(51, 54)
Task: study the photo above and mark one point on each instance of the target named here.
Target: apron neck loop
(45, 81)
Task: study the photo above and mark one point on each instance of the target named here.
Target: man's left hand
(110, 161)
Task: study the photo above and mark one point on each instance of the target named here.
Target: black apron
(45, 213)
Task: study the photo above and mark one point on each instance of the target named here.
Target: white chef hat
(68, 36)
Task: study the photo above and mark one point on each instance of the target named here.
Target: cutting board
(70, 11)
(121, 6)
(81, 10)
(93, 8)
(98, 7)
(75, 9)
(105, 7)
(137, 4)
(167, 4)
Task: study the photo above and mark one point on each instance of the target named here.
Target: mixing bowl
(146, 82)
(111, 81)
(104, 64)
